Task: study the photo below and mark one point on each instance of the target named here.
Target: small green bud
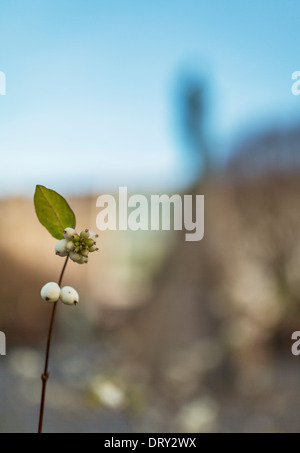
(90, 242)
(70, 246)
(84, 234)
(85, 252)
(93, 249)
(75, 237)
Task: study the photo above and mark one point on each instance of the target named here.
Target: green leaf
(53, 211)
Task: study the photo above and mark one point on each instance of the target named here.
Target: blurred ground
(84, 397)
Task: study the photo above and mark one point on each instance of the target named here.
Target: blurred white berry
(50, 292)
(61, 247)
(93, 235)
(83, 260)
(75, 256)
(69, 295)
(68, 233)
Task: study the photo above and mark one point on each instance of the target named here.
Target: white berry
(83, 260)
(50, 292)
(61, 247)
(69, 295)
(93, 235)
(68, 233)
(75, 256)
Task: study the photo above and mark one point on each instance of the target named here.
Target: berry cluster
(51, 292)
(77, 246)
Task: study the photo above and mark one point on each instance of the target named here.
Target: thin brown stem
(46, 373)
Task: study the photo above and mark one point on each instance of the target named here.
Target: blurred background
(168, 97)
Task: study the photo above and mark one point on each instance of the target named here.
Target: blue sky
(91, 85)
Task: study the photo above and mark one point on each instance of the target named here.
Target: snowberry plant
(57, 217)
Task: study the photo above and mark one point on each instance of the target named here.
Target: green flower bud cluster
(77, 246)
